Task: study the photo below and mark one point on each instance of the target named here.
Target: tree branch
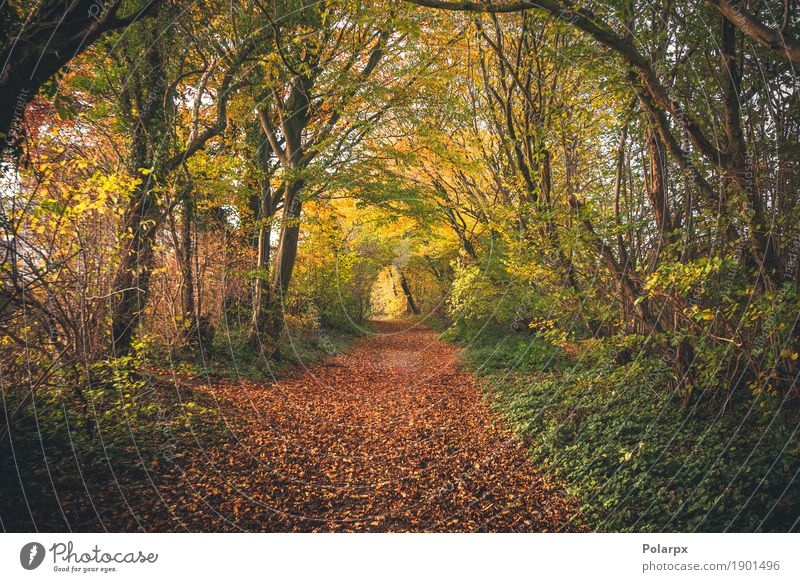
(775, 40)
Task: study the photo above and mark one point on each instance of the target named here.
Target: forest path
(391, 436)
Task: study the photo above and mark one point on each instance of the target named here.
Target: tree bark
(411, 304)
(656, 187)
(286, 255)
(34, 50)
(189, 309)
(142, 218)
(739, 167)
(777, 41)
(261, 288)
(132, 280)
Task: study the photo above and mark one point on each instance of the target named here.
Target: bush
(82, 440)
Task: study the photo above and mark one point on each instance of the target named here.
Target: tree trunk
(286, 255)
(261, 287)
(142, 219)
(411, 304)
(656, 189)
(189, 310)
(32, 52)
(132, 280)
(739, 167)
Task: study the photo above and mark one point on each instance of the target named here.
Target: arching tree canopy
(581, 193)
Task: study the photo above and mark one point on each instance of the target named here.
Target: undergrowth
(91, 447)
(633, 453)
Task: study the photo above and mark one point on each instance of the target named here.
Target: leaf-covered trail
(389, 437)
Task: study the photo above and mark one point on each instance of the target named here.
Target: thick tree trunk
(286, 255)
(142, 218)
(132, 280)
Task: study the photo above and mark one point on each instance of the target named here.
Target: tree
(300, 116)
(38, 43)
(147, 103)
